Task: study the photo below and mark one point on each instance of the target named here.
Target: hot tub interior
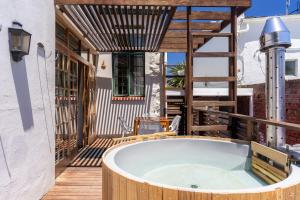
(202, 164)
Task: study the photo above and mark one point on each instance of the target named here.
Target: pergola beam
(204, 3)
(203, 15)
(213, 26)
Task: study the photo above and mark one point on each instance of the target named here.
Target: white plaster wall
(27, 103)
(108, 110)
(212, 67)
(251, 63)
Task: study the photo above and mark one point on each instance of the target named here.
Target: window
(291, 67)
(128, 74)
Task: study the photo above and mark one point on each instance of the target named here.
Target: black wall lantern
(19, 41)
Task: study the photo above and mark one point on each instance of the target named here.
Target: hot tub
(187, 168)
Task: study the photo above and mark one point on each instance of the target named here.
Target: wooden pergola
(164, 26)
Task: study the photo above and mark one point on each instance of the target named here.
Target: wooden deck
(77, 183)
(83, 178)
(91, 156)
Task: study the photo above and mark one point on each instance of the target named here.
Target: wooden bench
(269, 164)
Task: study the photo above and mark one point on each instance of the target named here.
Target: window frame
(129, 77)
(296, 67)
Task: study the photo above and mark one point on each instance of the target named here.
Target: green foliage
(176, 82)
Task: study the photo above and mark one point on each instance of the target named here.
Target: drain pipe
(274, 40)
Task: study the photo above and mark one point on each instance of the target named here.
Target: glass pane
(290, 68)
(120, 65)
(25, 42)
(137, 74)
(16, 40)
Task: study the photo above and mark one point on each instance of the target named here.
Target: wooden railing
(242, 126)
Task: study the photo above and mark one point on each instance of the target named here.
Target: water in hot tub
(203, 177)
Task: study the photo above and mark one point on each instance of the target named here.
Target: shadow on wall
(108, 111)
(22, 90)
(41, 53)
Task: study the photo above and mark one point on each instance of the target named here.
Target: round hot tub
(187, 168)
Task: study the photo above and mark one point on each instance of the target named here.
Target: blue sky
(259, 8)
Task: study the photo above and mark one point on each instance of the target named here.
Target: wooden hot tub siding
(117, 187)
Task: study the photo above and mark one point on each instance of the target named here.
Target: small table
(137, 121)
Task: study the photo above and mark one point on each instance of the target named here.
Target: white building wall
(27, 144)
(212, 67)
(108, 110)
(251, 62)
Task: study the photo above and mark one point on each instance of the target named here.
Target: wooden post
(250, 130)
(189, 74)
(233, 60)
(164, 95)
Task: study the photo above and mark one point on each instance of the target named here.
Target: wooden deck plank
(91, 156)
(77, 183)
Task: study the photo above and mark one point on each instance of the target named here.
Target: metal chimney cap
(275, 33)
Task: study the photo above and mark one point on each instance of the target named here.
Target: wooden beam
(213, 103)
(210, 128)
(214, 79)
(203, 15)
(196, 34)
(176, 34)
(213, 26)
(208, 3)
(207, 34)
(177, 45)
(178, 50)
(233, 60)
(287, 125)
(62, 47)
(174, 40)
(213, 54)
(189, 72)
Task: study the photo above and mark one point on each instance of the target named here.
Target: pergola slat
(125, 30)
(95, 25)
(155, 29)
(166, 26)
(132, 29)
(127, 24)
(143, 29)
(120, 34)
(80, 12)
(113, 28)
(95, 13)
(159, 21)
(82, 26)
